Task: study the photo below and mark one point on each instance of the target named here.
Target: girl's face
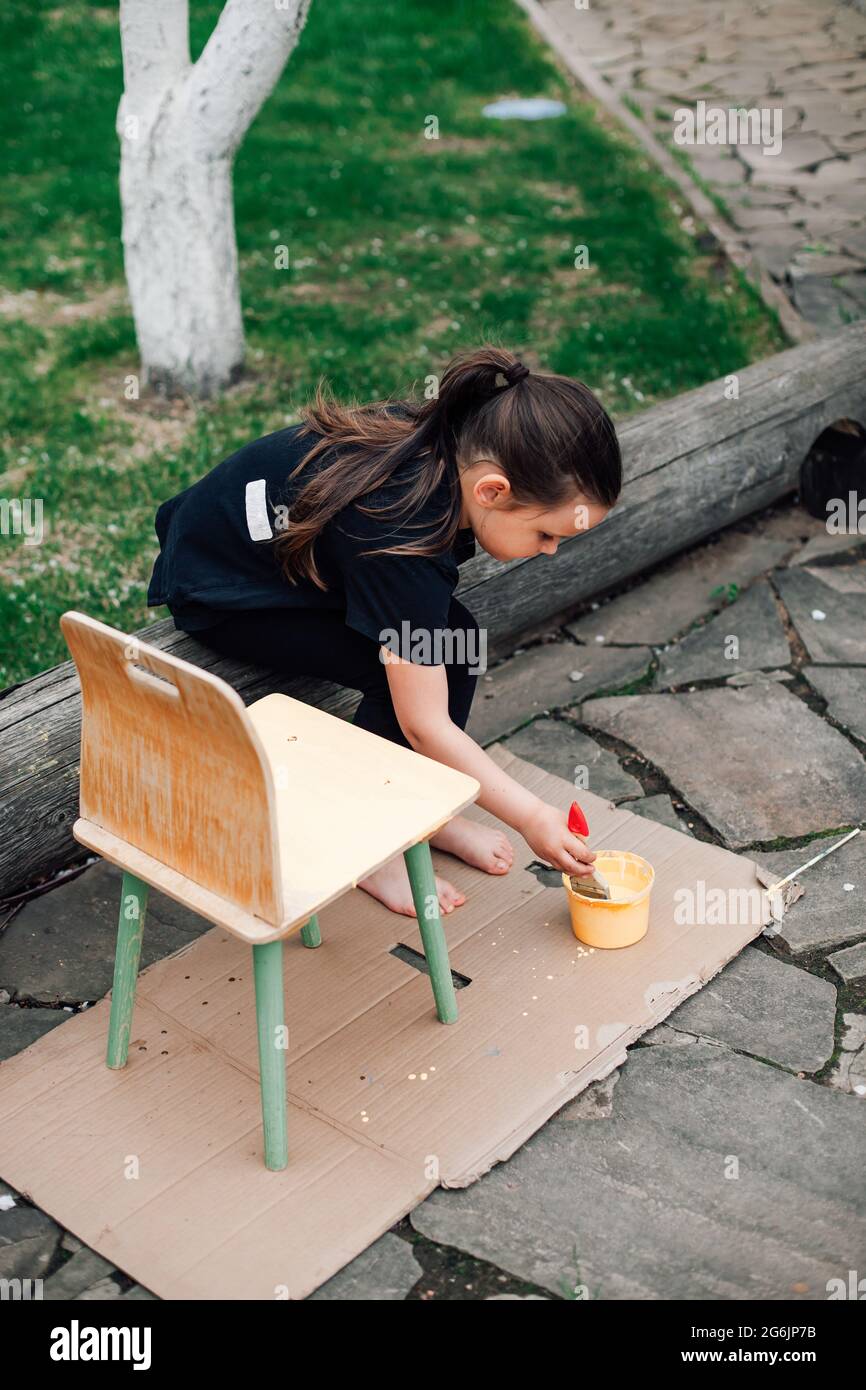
(510, 531)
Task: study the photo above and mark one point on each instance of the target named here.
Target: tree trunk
(180, 255)
(179, 125)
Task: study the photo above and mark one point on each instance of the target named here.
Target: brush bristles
(589, 887)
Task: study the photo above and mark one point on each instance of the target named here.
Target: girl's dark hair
(549, 434)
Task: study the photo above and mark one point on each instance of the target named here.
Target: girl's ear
(491, 487)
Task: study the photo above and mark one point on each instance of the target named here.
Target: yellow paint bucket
(625, 918)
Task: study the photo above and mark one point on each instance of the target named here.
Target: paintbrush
(593, 885)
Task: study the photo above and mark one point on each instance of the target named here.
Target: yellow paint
(623, 919)
(620, 894)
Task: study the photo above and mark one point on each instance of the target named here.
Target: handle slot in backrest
(151, 679)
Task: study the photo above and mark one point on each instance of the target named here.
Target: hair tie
(516, 372)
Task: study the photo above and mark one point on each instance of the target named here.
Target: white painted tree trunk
(179, 125)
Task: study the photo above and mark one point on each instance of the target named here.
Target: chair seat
(346, 800)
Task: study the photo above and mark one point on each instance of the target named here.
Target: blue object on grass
(524, 109)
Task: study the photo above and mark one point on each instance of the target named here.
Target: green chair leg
(310, 934)
(420, 865)
(268, 973)
(130, 929)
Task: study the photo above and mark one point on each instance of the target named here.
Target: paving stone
(845, 197)
(796, 181)
(776, 258)
(849, 144)
(821, 302)
(842, 171)
(646, 1202)
(755, 763)
(827, 544)
(669, 601)
(822, 263)
(854, 242)
(709, 158)
(60, 946)
(77, 1274)
(666, 81)
(611, 54)
(762, 1006)
(850, 964)
(744, 678)
(797, 152)
(385, 1271)
(661, 809)
(828, 914)
(849, 1073)
(776, 239)
(855, 288)
(28, 1241)
(101, 1290)
(726, 173)
(829, 118)
(596, 1101)
(21, 1027)
(701, 655)
(751, 217)
(839, 637)
(831, 74)
(845, 579)
(752, 197)
(559, 747)
(544, 678)
(845, 693)
(829, 223)
(663, 1035)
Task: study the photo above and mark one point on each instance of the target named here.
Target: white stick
(810, 862)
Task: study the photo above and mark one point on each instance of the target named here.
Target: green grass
(402, 251)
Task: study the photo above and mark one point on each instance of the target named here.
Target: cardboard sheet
(159, 1166)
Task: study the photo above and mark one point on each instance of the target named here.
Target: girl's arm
(420, 698)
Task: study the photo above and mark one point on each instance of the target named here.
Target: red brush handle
(577, 820)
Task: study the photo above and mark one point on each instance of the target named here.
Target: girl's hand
(547, 834)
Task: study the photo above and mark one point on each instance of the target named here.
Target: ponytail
(549, 435)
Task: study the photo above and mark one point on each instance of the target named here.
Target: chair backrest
(171, 763)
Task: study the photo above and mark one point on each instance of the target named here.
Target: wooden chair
(255, 818)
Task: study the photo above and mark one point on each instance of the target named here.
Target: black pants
(317, 642)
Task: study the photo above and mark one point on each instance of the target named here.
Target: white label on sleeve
(258, 521)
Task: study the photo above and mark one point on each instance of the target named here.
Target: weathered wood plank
(693, 465)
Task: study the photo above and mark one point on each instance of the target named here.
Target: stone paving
(724, 1160)
(800, 211)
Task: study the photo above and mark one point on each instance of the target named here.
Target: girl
(307, 550)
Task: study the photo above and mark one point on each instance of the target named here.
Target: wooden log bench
(693, 465)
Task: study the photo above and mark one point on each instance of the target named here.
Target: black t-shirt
(217, 555)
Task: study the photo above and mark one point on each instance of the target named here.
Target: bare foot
(480, 845)
(390, 885)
